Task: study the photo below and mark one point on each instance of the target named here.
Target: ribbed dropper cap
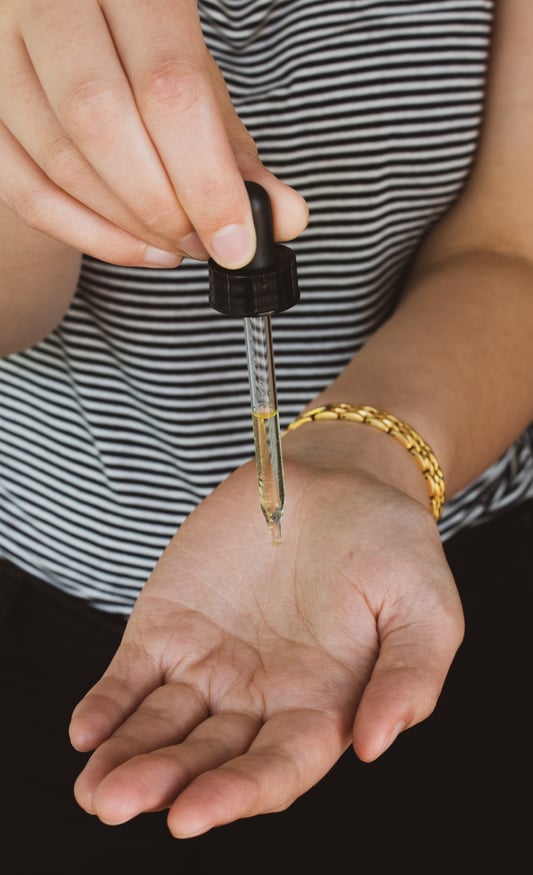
(269, 283)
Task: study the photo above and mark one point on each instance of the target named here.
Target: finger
(290, 211)
(165, 717)
(152, 781)
(293, 751)
(27, 114)
(131, 676)
(167, 63)
(406, 682)
(92, 99)
(43, 207)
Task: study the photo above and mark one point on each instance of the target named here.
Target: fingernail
(232, 246)
(193, 246)
(154, 257)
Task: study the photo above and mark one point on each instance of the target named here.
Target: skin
(132, 153)
(265, 666)
(246, 670)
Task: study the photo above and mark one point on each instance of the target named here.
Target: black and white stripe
(118, 424)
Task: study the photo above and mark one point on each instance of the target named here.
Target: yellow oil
(269, 469)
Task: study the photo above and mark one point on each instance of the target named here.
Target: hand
(246, 669)
(118, 136)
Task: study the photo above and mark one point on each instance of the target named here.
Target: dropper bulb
(269, 283)
(265, 253)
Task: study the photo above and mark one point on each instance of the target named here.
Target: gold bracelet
(402, 432)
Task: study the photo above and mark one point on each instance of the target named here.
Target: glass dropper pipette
(265, 417)
(267, 285)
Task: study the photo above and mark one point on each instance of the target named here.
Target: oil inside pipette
(269, 469)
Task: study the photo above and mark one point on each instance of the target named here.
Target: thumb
(406, 682)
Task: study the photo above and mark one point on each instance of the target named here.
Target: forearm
(38, 277)
(454, 361)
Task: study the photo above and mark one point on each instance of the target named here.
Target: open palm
(246, 669)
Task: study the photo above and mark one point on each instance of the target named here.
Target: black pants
(452, 796)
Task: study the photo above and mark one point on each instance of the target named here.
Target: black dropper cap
(269, 283)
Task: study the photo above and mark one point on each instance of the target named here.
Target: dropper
(266, 286)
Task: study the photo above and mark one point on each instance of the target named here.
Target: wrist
(361, 440)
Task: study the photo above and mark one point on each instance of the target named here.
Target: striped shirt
(114, 427)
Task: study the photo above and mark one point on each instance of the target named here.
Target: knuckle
(32, 206)
(247, 155)
(163, 217)
(178, 82)
(90, 111)
(63, 163)
(242, 140)
(216, 202)
(245, 148)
